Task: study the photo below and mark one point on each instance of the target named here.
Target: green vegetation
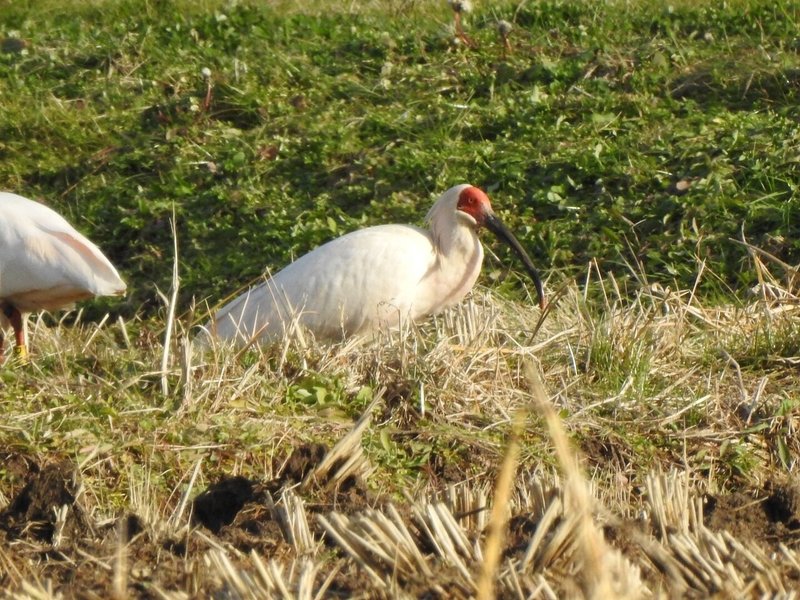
(646, 154)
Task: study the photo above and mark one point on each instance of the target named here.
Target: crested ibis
(373, 278)
(45, 264)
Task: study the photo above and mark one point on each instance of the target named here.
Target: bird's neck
(459, 256)
(457, 242)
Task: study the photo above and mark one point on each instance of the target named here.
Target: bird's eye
(470, 201)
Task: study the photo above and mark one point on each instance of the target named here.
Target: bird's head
(473, 208)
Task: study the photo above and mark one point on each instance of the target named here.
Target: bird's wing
(45, 262)
(351, 284)
(105, 281)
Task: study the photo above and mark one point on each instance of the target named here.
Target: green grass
(632, 146)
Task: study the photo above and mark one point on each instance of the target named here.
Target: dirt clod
(783, 505)
(770, 517)
(33, 510)
(301, 462)
(520, 530)
(219, 504)
(254, 528)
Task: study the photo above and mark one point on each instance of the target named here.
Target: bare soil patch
(236, 513)
(769, 517)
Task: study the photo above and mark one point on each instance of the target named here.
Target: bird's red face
(475, 203)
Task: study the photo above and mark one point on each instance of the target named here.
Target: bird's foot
(21, 355)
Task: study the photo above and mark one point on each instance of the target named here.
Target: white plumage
(374, 278)
(45, 264)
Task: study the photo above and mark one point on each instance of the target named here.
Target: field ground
(637, 440)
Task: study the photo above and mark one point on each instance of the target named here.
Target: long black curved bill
(497, 227)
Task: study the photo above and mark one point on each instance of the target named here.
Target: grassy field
(639, 441)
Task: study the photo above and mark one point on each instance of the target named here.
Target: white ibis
(44, 265)
(373, 278)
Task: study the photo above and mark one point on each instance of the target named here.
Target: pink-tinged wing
(44, 262)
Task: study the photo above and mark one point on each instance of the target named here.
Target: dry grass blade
(338, 527)
(241, 583)
(548, 309)
(347, 456)
(293, 520)
(791, 271)
(177, 516)
(171, 308)
(668, 501)
(219, 563)
(469, 503)
(34, 590)
(10, 569)
(696, 558)
(120, 579)
(401, 532)
(97, 329)
(534, 554)
(596, 580)
(438, 525)
(381, 543)
(500, 511)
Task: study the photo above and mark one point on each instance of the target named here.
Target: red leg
(6, 310)
(18, 323)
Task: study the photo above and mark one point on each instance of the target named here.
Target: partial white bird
(374, 278)
(44, 265)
